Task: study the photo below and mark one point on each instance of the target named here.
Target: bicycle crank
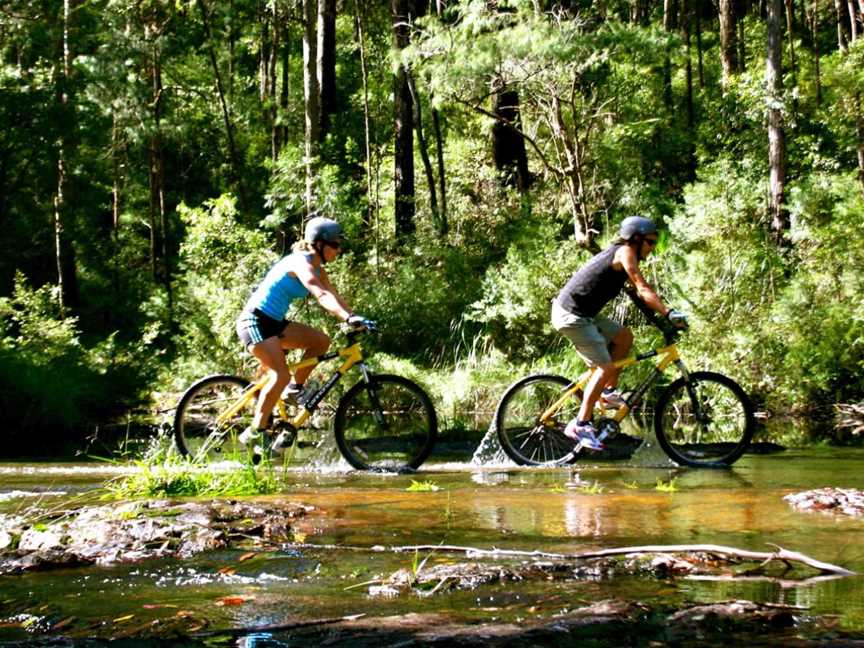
(607, 428)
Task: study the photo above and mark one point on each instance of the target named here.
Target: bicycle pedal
(257, 455)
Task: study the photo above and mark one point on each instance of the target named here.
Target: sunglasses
(651, 242)
(333, 244)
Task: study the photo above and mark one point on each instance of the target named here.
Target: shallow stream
(593, 505)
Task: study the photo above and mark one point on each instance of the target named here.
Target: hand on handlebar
(359, 322)
(677, 319)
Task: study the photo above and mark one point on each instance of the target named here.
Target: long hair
(303, 246)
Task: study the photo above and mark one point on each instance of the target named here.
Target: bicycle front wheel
(524, 438)
(387, 425)
(196, 431)
(705, 419)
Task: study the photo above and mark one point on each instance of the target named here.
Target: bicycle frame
(666, 355)
(353, 355)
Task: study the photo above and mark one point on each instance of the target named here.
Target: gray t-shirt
(593, 286)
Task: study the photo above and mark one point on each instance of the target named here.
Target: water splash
(649, 454)
(490, 452)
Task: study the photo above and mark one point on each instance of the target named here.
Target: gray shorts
(590, 335)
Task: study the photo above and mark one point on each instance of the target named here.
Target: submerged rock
(846, 501)
(471, 575)
(611, 622)
(136, 531)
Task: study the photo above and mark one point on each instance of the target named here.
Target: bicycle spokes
(706, 420)
(523, 436)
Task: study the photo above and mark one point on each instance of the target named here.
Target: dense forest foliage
(157, 156)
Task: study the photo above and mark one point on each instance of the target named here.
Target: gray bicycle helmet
(322, 229)
(634, 226)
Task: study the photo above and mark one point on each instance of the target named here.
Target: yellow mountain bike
(701, 419)
(383, 423)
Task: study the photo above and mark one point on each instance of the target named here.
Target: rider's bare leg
(600, 377)
(619, 348)
(300, 336)
(271, 356)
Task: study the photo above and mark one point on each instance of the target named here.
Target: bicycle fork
(690, 386)
(377, 412)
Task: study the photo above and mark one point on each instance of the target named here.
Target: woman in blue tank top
(266, 333)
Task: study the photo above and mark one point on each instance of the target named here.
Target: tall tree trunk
(843, 29)
(439, 145)
(859, 109)
(156, 208)
(310, 97)
(859, 114)
(371, 202)
(776, 132)
(236, 172)
(232, 46)
(272, 75)
(688, 63)
(439, 148)
(639, 12)
(402, 12)
(285, 91)
(157, 182)
(116, 206)
(424, 152)
(817, 72)
(508, 144)
(326, 63)
(699, 61)
(853, 20)
(686, 15)
(265, 21)
(64, 252)
(728, 47)
(669, 22)
(790, 37)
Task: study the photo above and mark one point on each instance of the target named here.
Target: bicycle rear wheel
(705, 419)
(386, 425)
(524, 438)
(196, 431)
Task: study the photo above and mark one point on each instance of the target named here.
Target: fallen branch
(744, 554)
(234, 632)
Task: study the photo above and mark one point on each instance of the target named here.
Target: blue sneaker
(584, 434)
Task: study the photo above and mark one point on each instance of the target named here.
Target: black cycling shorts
(254, 327)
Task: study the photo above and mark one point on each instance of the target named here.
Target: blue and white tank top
(279, 288)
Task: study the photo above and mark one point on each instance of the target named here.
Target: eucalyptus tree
(728, 40)
(311, 95)
(574, 80)
(403, 12)
(776, 129)
(326, 64)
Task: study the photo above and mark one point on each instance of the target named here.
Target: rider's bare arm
(319, 287)
(626, 256)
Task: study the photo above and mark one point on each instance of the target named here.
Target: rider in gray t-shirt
(599, 340)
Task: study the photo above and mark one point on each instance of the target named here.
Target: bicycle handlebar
(670, 333)
(353, 332)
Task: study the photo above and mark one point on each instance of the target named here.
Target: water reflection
(564, 510)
